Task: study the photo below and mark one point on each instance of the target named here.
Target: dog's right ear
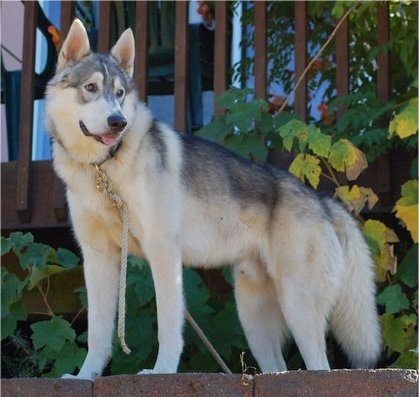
(75, 46)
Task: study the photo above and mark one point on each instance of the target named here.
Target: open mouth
(108, 139)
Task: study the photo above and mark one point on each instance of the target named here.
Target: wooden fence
(33, 197)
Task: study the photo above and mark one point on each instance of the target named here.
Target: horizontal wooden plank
(42, 199)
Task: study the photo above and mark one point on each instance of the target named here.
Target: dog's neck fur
(112, 153)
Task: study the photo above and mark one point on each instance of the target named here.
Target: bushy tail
(354, 320)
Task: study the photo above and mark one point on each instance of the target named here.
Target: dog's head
(91, 100)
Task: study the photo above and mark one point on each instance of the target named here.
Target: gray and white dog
(300, 262)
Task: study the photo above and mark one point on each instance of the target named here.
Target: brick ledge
(371, 383)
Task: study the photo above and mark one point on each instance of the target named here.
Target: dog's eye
(120, 93)
(91, 87)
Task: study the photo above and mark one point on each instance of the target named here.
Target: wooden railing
(33, 197)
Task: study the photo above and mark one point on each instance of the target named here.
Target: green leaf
(196, 292)
(405, 123)
(82, 296)
(67, 360)
(6, 246)
(409, 193)
(67, 259)
(346, 157)
(393, 299)
(266, 124)
(20, 240)
(408, 269)
(12, 310)
(393, 332)
(413, 170)
(52, 333)
(140, 280)
(340, 7)
(248, 146)
(17, 312)
(245, 116)
(141, 337)
(224, 329)
(40, 273)
(227, 273)
(215, 131)
(318, 142)
(37, 255)
(294, 129)
(233, 97)
(407, 359)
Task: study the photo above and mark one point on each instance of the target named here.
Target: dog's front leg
(166, 266)
(101, 272)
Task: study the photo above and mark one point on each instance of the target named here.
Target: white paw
(147, 372)
(78, 377)
(69, 376)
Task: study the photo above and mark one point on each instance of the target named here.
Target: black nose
(116, 122)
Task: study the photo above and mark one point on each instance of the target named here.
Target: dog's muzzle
(116, 124)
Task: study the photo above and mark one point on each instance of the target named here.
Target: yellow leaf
(380, 239)
(372, 198)
(345, 156)
(409, 216)
(406, 207)
(356, 164)
(296, 167)
(356, 197)
(306, 166)
(409, 193)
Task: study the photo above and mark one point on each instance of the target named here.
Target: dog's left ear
(124, 51)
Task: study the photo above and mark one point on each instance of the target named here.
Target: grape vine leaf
(355, 197)
(405, 123)
(407, 207)
(380, 239)
(52, 333)
(393, 298)
(346, 157)
(306, 166)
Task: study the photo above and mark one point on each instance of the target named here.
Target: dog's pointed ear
(124, 51)
(75, 46)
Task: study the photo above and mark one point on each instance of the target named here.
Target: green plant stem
(44, 298)
(331, 176)
(47, 314)
(76, 316)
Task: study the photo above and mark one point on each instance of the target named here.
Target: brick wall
(337, 383)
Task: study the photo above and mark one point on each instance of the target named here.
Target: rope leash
(104, 185)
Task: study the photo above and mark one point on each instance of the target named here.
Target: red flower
(55, 34)
(275, 103)
(205, 11)
(324, 114)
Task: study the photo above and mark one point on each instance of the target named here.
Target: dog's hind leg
(260, 315)
(307, 322)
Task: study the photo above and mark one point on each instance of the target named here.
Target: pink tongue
(108, 139)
